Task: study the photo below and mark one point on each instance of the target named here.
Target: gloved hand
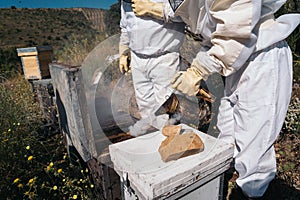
(147, 8)
(124, 64)
(187, 82)
(124, 61)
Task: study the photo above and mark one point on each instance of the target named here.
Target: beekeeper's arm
(124, 50)
(148, 8)
(232, 42)
(158, 10)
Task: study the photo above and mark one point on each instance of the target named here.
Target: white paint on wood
(139, 159)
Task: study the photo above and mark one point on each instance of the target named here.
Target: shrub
(77, 48)
(34, 166)
(9, 60)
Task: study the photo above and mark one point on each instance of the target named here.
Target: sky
(105, 4)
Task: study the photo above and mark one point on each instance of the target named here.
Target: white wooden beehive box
(139, 161)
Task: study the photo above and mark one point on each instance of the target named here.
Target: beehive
(35, 61)
(146, 176)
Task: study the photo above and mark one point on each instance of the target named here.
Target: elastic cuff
(206, 64)
(201, 71)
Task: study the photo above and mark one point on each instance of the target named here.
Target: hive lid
(27, 51)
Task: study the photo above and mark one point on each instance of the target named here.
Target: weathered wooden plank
(31, 68)
(44, 95)
(28, 54)
(72, 107)
(107, 182)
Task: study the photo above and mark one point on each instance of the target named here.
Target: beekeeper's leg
(225, 121)
(151, 80)
(143, 92)
(263, 94)
(162, 70)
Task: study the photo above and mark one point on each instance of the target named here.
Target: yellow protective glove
(147, 8)
(124, 61)
(187, 82)
(124, 64)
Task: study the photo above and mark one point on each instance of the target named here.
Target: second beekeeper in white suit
(154, 47)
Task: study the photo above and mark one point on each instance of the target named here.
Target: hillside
(31, 27)
(59, 28)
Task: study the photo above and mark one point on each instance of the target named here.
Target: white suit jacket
(149, 36)
(234, 29)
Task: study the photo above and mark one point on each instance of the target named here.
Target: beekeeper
(149, 47)
(244, 42)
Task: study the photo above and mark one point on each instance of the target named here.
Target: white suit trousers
(252, 113)
(151, 77)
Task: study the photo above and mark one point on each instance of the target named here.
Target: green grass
(32, 165)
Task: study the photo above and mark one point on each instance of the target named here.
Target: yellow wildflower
(59, 170)
(54, 187)
(30, 181)
(26, 193)
(86, 170)
(74, 196)
(51, 164)
(30, 158)
(28, 147)
(9, 130)
(16, 180)
(48, 168)
(20, 185)
(92, 186)
(18, 124)
(81, 171)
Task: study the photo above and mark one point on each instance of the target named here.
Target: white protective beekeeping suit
(154, 46)
(244, 42)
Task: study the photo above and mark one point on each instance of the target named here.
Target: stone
(180, 145)
(170, 130)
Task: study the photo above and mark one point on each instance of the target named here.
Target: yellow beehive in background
(35, 61)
